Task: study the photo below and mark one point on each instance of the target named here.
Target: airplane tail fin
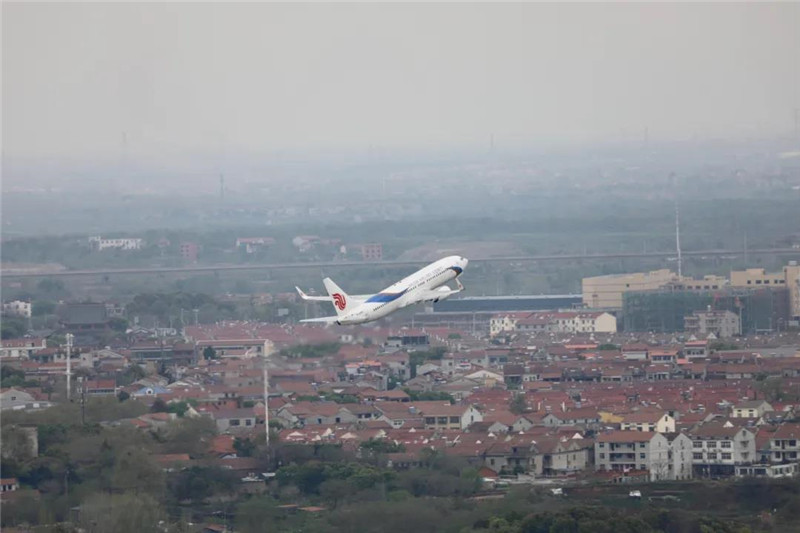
(340, 299)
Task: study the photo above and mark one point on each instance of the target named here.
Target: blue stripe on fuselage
(384, 297)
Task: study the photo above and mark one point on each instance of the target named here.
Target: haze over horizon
(96, 82)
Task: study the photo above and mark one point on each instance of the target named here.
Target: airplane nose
(464, 262)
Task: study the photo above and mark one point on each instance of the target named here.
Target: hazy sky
(187, 78)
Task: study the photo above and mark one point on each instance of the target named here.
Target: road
(350, 264)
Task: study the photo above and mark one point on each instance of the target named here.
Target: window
(711, 444)
(602, 444)
(726, 456)
(697, 456)
(697, 444)
(712, 455)
(725, 444)
(235, 422)
(454, 420)
(248, 422)
(642, 445)
(642, 456)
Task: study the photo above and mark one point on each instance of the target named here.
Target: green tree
(209, 353)
(12, 327)
(159, 406)
(518, 404)
(121, 513)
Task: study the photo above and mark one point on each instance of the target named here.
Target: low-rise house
(635, 352)
(751, 409)
(9, 484)
(234, 419)
(14, 398)
(586, 416)
(23, 348)
(446, 416)
(648, 420)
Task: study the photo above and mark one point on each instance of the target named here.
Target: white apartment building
(99, 243)
(624, 451)
(717, 449)
(18, 308)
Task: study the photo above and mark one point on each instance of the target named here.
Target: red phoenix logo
(339, 301)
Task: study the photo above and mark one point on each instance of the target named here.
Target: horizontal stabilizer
(322, 320)
(306, 297)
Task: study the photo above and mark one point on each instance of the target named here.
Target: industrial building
(664, 310)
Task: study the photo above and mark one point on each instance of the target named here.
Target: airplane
(426, 285)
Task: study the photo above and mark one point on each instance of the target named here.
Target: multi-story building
(791, 274)
(17, 308)
(634, 450)
(189, 251)
(372, 252)
(784, 444)
(100, 244)
(605, 292)
(753, 277)
(24, 348)
(717, 449)
(695, 349)
(680, 456)
(722, 324)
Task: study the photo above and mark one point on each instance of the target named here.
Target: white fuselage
(413, 289)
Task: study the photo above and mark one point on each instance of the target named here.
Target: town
(569, 393)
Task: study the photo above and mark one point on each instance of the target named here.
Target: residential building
(751, 409)
(251, 245)
(722, 324)
(189, 251)
(446, 416)
(98, 243)
(14, 398)
(17, 308)
(234, 419)
(784, 444)
(634, 450)
(23, 348)
(718, 448)
(680, 454)
(695, 349)
(9, 484)
(649, 420)
(372, 252)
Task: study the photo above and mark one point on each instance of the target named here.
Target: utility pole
(69, 337)
(82, 382)
(266, 397)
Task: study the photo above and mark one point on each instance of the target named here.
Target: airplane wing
(441, 293)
